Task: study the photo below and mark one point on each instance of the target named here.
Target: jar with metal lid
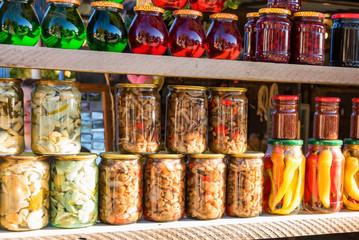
(106, 30)
(138, 118)
(223, 38)
(354, 119)
(228, 113)
(245, 184)
(250, 36)
(11, 117)
(206, 186)
(186, 119)
(326, 118)
(351, 168)
(164, 187)
(170, 4)
(62, 25)
(19, 24)
(207, 6)
(274, 31)
(324, 176)
(285, 117)
(120, 188)
(74, 191)
(148, 33)
(24, 192)
(344, 51)
(292, 5)
(284, 165)
(55, 117)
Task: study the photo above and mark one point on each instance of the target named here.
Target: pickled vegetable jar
(354, 119)
(285, 117)
(208, 6)
(292, 5)
(62, 25)
(250, 37)
(120, 185)
(187, 37)
(74, 191)
(228, 120)
(164, 187)
(170, 4)
(206, 186)
(324, 176)
(308, 46)
(274, 31)
(19, 24)
(351, 191)
(148, 33)
(223, 37)
(55, 118)
(326, 118)
(138, 118)
(11, 117)
(186, 119)
(245, 184)
(284, 165)
(106, 30)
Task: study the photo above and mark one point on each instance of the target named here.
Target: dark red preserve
(210, 6)
(326, 118)
(170, 4)
(292, 5)
(354, 121)
(250, 37)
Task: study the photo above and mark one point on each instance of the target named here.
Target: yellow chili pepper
(63, 108)
(350, 205)
(290, 194)
(273, 189)
(324, 164)
(350, 185)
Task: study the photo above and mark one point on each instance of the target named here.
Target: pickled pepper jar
(207, 6)
(324, 176)
(292, 5)
(164, 187)
(354, 120)
(284, 165)
(351, 192)
(24, 192)
(138, 118)
(120, 188)
(250, 37)
(11, 117)
(206, 186)
(326, 118)
(186, 119)
(170, 4)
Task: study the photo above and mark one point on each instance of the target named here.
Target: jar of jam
(62, 25)
(106, 30)
(187, 37)
(354, 120)
(250, 37)
(351, 181)
(223, 37)
(170, 4)
(324, 176)
(308, 40)
(274, 31)
(326, 118)
(208, 6)
(285, 117)
(292, 5)
(148, 33)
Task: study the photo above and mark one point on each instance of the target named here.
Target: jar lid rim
(77, 2)
(165, 155)
(228, 89)
(309, 14)
(25, 156)
(77, 157)
(336, 142)
(286, 97)
(15, 80)
(345, 15)
(207, 155)
(59, 82)
(136, 85)
(107, 4)
(148, 9)
(327, 99)
(294, 142)
(188, 87)
(224, 16)
(188, 12)
(253, 14)
(355, 99)
(248, 154)
(275, 10)
(350, 141)
(118, 155)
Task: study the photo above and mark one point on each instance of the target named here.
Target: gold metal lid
(188, 12)
(166, 155)
(224, 16)
(207, 155)
(13, 80)
(117, 155)
(275, 10)
(188, 87)
(228, 89)
(253, 14)
(25, 156)
(106, 4)
(136, 85)
(148, 9)
(77, 157)
(77, 2)
(56, 82)
(309, 14)
(249, 154)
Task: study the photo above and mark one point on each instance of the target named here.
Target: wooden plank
(126, 63)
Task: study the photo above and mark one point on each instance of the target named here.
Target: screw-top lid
(327, 99)
(350, 141)
(355, 100)
(25, 156)
(345, 15)
(275, 10)
(325, 142)
(253, 14)
(11, 80)
(56, 82)
(77, 157)
(309, 14)
(207, 155)
(77, 2)
(248, 154)
(188, 12)
(280, 142)
(136, 85)
(188, 87)
(117, 155)
(224, 16)
(286, 97)
(148, 9)
(106, 4)
(166, 155)
(228, 89)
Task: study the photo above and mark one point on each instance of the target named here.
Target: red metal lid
(355, 100)
(327, 99)
(345, 15)
(286, 97)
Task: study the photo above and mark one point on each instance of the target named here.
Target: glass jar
(74, 191)
(274, 31)
(223, 37)
(351, 181)
(284, 165)
(344, 51)
(285, 117)
(207, 6)
(292, 5)
(164, 187)
(245, 184)
(19, 24)
(170, 4)
(354, 119)
(324, 176)
(187, 37)
(250, 37)
(62, 25)
(11, 117)
(120, 185)
(138, 118)
(326, 118)
(228, 111)
(148, 33)
(206, 186)
(55, 117)
(106, 30)
(24, 192)
(186, 119)
(308, 40)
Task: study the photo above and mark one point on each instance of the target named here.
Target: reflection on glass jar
(351, 181)
(210, 6)
(250, 37)
(326, 118)
(292, 5)
(170, 4)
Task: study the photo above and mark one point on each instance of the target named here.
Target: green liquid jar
(106, 30)
(19, 24)
(62, 26)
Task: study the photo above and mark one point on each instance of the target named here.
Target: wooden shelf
(127, 63)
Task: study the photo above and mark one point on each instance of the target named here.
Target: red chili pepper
(139, 126)
(336, 176)
(235, 135)
(206, 179)
(311, 174)
(139, 174)
(229, 212)
(146, 215)
(267, 163)
(212, 105)
(155, 138)
(191, 165)
(220, 129)
(226, 102)
(307, 195)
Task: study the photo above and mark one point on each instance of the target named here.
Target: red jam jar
(273, 35)
(187, 37)
(210, 6)
(308, 38)
(148, 33)
(292, 5)
(170, 4)
(354, 120)
(326, 118)
(250, 33)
